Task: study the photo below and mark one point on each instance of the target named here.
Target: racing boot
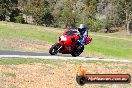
(77, 43)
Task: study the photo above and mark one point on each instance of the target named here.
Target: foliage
(19, 19)
(7, 8)
(94, 25)
(91, 6)
(67, 16)
(37, 9)
(60, 13)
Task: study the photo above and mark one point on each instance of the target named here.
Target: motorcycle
(67, 44)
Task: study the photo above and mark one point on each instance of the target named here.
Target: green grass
(16, 61)
(101, 46)
(12, 30)
(115, 35)
(111, 47)
(7, 61)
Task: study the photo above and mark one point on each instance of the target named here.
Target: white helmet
(82, 26)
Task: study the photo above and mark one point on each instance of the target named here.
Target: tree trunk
(26, 19)
(127, 22)
(127, 27)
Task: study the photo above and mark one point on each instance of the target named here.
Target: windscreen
(70, 32)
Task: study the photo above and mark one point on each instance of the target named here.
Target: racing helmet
(81, 28)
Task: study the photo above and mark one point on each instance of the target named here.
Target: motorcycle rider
(83, 33)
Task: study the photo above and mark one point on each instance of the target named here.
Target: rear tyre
(78, 51)
(54, 49)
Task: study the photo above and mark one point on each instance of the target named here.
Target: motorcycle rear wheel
(78, 51)
(54, 49)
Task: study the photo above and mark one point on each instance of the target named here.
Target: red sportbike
(67, 44)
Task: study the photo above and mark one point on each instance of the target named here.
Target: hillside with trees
(96, 14)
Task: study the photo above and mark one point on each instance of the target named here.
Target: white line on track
(65, 58)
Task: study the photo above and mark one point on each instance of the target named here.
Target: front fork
(61, 45)
(59, 48)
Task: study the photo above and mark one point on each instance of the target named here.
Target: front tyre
(54, 49)
(78, 51)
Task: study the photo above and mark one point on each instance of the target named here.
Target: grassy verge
(13, 30)
(56, 73)
(114, 35)
(110, 47)
(14, 36)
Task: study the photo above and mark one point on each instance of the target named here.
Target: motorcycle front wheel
(54, 49)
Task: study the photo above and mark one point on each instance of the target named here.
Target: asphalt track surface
(20, 54)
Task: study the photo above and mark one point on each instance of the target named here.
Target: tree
(128, 14)
(124, 11)
(7, 7)
(47, 19)
(37, 8)
(67, 16)
(91, 20)
(91, 6)
(23, 7)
